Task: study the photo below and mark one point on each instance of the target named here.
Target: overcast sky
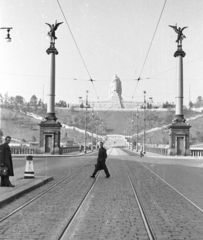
(113, 37)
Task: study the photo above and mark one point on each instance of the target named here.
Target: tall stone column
(179, 98)
(49, 142)
(51, 96)
(179, 129)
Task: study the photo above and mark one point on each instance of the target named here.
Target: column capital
(52, 49)
(179, 52)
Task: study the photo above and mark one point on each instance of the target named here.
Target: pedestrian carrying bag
(3, 171)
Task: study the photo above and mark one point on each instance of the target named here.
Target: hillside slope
(25, 127)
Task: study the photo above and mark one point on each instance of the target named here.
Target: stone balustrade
(34, 150)
(23, 150)
(194, 152)
(158, 150)
(65, 150)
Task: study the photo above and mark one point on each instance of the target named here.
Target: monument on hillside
(115, 92)
(179, 129)
(50, 134)
(115, 100)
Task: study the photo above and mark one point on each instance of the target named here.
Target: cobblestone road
(110, 211)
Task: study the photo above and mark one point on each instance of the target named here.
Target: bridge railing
(65, 150)
(34, 150)
(196, 152)
(23, 150)
(158, 150)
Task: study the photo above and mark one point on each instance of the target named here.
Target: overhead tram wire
(78, 49)
(149, 47)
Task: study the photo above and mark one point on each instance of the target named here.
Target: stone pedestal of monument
(115, 101)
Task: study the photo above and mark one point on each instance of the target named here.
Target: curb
(16, 193)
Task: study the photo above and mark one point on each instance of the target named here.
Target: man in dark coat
(101, 162)
(6, 160)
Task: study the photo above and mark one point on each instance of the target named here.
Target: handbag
(98, 166)
(3, 171)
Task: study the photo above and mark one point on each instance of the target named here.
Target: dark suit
(101, 162)
(6, 159)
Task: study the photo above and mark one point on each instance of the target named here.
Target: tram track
(172, 187)
(147, 203)
(41, 194)
(74, 214)
(73, 221)
(68, 233)
(142, 211)
(168, 209)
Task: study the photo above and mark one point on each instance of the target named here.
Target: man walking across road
(6, 160)
(101, 162)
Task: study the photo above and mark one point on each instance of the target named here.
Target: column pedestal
(50, 135)
(179, 138)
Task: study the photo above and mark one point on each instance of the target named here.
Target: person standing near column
(6, 160)
(101, 162)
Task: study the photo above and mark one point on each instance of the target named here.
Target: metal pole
(132, 132)
(144, 122)
(86, 105)
(92, 126)
(96, 134)
(137, 133)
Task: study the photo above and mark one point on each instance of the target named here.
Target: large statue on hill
(115, 86)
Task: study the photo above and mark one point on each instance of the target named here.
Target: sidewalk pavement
(22, 186)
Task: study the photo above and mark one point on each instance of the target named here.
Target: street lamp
(8, 40)
(92, 126)
(86, 106)
(8, 33)
(97, 133)
(144, 122)
(137, 132)
(132, 133)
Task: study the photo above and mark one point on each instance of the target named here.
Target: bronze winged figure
(53, 28)
(179, 31)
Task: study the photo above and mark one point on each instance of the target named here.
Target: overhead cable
(74, 40)
(150, 46)
(77, 48)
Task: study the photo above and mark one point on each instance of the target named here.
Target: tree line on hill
(34, 105)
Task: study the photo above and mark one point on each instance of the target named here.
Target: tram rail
(66, 234)
(39, 195)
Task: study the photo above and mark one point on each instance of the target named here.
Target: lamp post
(8, 40)
(96, 134)
(144, 126)
(137, 132)
(86, 106)
(132, 133)
(92, 126)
